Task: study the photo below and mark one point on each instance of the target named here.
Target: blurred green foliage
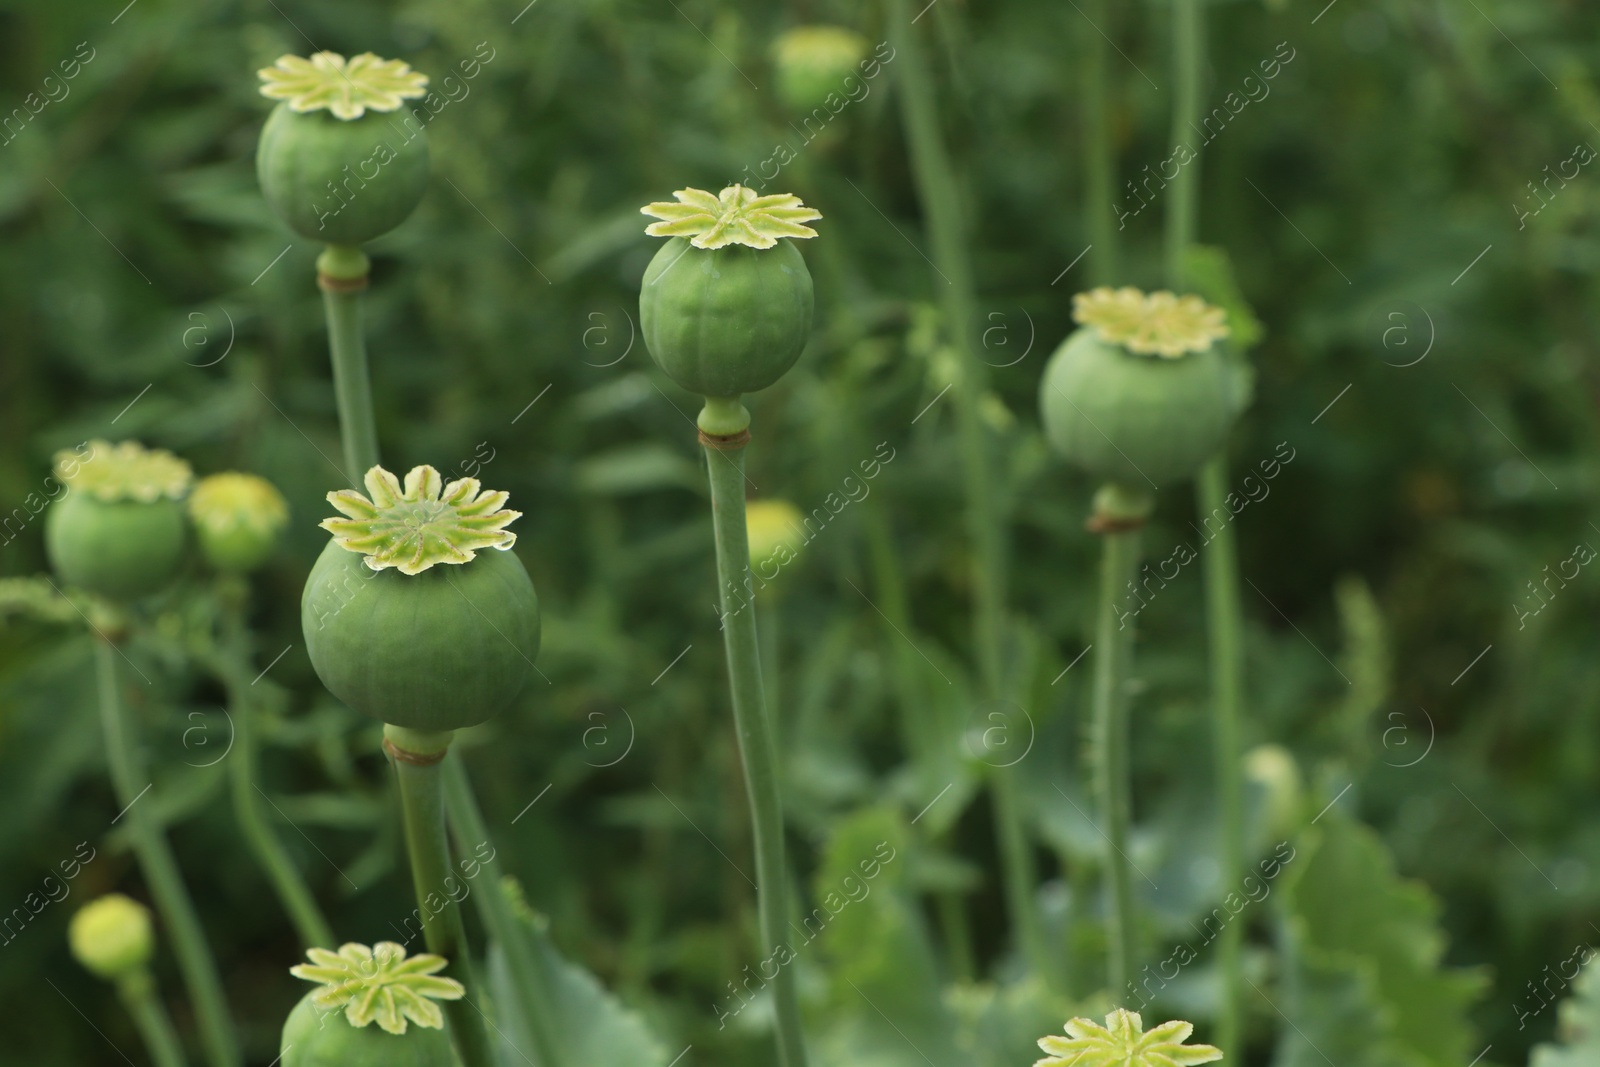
(1428, 355)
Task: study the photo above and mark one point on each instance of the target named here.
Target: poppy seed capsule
(119, 530)
(1140, 393)
(374, 1008)
(331, 164)
(406, 618)
(314, 1038)
(725, 307)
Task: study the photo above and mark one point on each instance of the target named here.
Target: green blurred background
(1373, 208)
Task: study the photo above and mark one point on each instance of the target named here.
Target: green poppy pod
(406, 618)
(375, 1008)
(331, 163)
(237, 519)
(725, 307)
(1141, 394)
(814, 63)
(119, 529)
(314, 1037)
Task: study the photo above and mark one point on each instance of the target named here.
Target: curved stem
(138, 993)
(231, 664)
(941, 200)
(1223, 615)
(756, 750)
(1100, 159)
(128, 780)
(1114, 637)
(309, 923)
(434, 879)
(528, 975)
(347, 344)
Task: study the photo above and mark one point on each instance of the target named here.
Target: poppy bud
(111, 936)
(812, 63)
(775, 533)
(237, 519)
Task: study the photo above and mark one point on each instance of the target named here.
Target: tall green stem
(1100, 157)
(416, 758)
(1223, 611)
(129, 782)
(342, 276)
(771, 637)
(1223, 617)
(139, 996)
(528, 976)
(1188, 39)
(941, 201)
(1114, 643)
(757, 753)
(310, 924)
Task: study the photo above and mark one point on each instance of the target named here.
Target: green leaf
(637, 469)
(1363, 973)
(1338, 1015)
(999, 1025)
(588, 1027)
(1579, 1026)
(885, 1004)
(1369, 664)
(1210, 273)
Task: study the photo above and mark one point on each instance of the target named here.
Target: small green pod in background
(119, 530)
(725, 306)
(237, 519)
(111, 936)
(332, 164)
(332, 1026)
(406, 617)
(1141, 394)
(814, 62)
(776, 535)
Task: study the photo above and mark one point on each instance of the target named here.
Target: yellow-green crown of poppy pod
(734, 216)
(1150, 324)
(425, 522)
(1124, 1042)
(124, 471)
(346, 88)
(380, 984)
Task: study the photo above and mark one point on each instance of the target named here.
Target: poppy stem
(416, 756)
(1114, 643)
(139, 995)
(342, 277)
(129, 780)
(757, 752)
